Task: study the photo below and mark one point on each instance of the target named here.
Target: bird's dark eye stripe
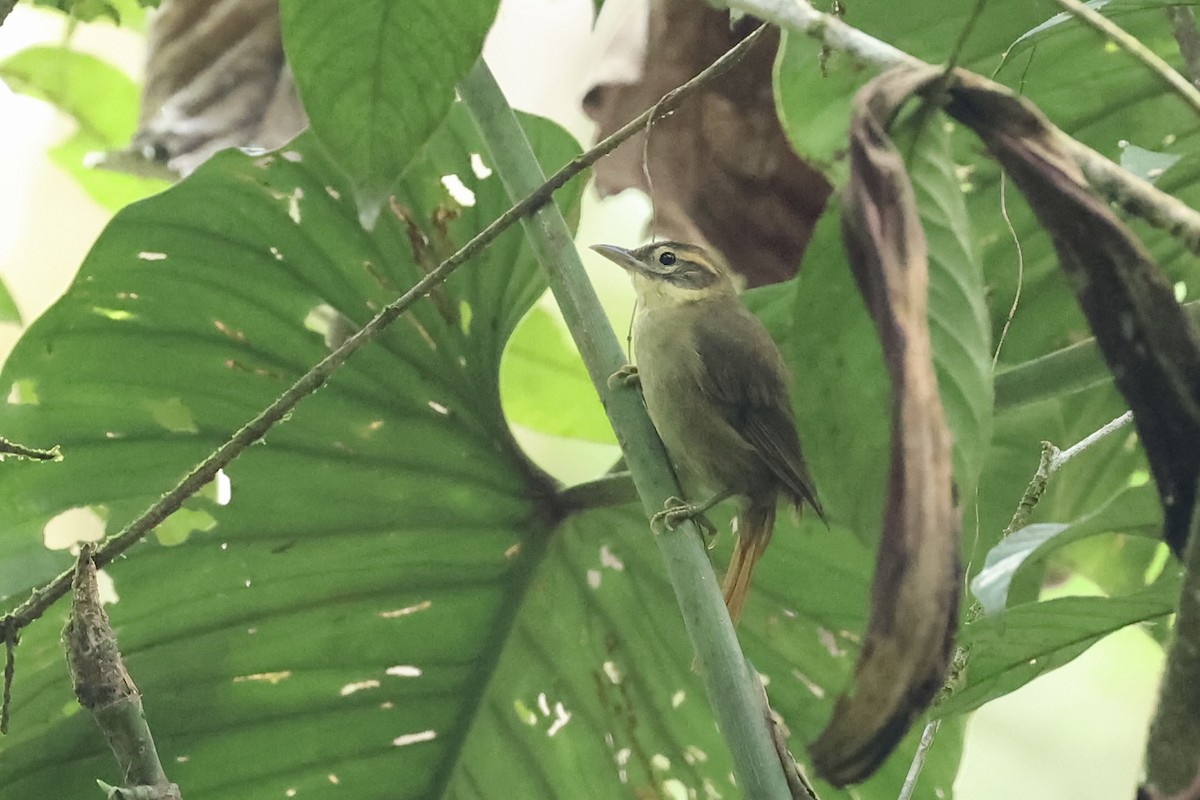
(690, 276)
(667, 258)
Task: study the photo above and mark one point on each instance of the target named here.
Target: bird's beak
(620, 256)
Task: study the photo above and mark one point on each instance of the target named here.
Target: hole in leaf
(224, 488)
(264, 677)
(414, 738)
(358, 686)
(71, 527)
(331, 325)
(524, 713)
(404, 612)
(480, 169)
(177, 528)
(115, 314)
(173, 415)
(150, 255)
(458, 190)
(23, 393)
(404, 671)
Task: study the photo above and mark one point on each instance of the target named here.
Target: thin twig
(1132, 194)
(43, 597)
(1147, 57)
(1012, 311)
(1051, 462)
(918, 762)
(8, 448)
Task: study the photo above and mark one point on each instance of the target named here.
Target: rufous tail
(755, 523)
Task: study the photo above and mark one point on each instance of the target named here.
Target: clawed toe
(626, 376)
(676, 511)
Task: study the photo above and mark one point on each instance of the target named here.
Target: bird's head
(671, 273)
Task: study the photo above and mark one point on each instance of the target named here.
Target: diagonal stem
(732, 685)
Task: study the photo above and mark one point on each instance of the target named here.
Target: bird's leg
(626, 376)
(676, 511)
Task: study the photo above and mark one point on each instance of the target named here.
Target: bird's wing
(753, 397)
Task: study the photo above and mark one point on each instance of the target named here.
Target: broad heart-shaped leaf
(341, 620)
(1009, 649)
(377, 76)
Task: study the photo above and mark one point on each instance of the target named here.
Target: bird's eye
(667, 259)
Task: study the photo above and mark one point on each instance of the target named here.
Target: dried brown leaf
(914, 596)
(723, 173)
(1151, 346)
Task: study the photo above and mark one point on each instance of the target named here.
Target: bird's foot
(676, 511)
(625, 377)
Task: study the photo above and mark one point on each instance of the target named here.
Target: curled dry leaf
(215, 78)
(722, 171)
(914, 597)
(1150, 344)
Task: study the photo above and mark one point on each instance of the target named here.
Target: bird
(717, 390)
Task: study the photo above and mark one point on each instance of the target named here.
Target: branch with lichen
(103, 686)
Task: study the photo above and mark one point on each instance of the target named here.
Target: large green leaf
(377, 76)
(1009, 649)
(352, 598)
(386, 592)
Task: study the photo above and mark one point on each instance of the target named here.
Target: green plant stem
(1132, 194)
(1173, 747)
(1071, 369)
(44, 596)
(614, 489)
(732, 689)
(1144, 55)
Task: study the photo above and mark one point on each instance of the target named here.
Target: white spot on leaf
(224, 488)
(404, 612)
(480, 169)
(404, 671)
(607, 559)
(358, 686)
(458, 190)
(414, 738)
(151, 255)
(264, 677)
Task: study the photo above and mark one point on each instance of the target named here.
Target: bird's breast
(699, 440)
